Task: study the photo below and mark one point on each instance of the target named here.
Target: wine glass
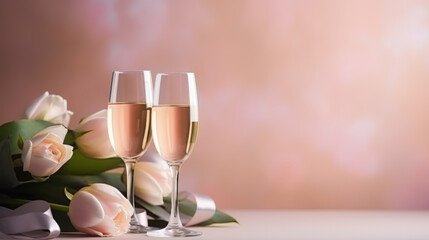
(128, 120)
(174, 129)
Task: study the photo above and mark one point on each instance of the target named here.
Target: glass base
(174, 232)
(141, 229)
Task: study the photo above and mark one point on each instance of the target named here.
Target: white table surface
(285, 224)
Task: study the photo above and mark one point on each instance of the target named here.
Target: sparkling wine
(129, 128)
(174, 134)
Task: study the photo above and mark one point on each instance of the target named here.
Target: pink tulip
(152, 179)
(94, 141)
(100, 210)
(45, 153)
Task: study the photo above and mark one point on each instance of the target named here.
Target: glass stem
(174, 216)
(129, 168)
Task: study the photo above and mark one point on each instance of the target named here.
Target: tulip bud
(152, 179)
(100, 210)
(51, 108)
(94, 139)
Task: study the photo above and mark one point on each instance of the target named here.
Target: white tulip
(51, 108)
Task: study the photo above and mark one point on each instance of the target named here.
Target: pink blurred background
(303, 104)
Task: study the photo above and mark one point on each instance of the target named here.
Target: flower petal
(89, 231)
(111, 199)
(100, 114)
(108, 227)
(150, 191)
(63, 119)
(122, 220)
(95, 142)
(67, 156)
(26, 154)
(57, 106)
(160, 172)
(58, 130)
(36, 140)
(41, 167)
(107, 190)
(85, 210)
(38, 107)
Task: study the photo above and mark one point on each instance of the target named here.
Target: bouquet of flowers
(77, 173)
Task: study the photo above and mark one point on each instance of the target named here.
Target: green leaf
(24, 128)
(14, 203)
(82, 165)
(78, 134)
(68, 194)
(52, 190)
(70, 138)
(20, 174)
(219, 217)
(186, 207)
(7, 172)
(154, 210)
(63, 220)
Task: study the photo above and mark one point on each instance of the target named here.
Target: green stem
(59, 207)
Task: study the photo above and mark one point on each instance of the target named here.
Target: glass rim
(168, 73)
(130, 71)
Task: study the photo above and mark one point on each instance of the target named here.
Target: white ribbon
(31, 220)
(206, 208)
(141, 216)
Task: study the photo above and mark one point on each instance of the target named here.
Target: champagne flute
(128, 119)
(174, 128)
